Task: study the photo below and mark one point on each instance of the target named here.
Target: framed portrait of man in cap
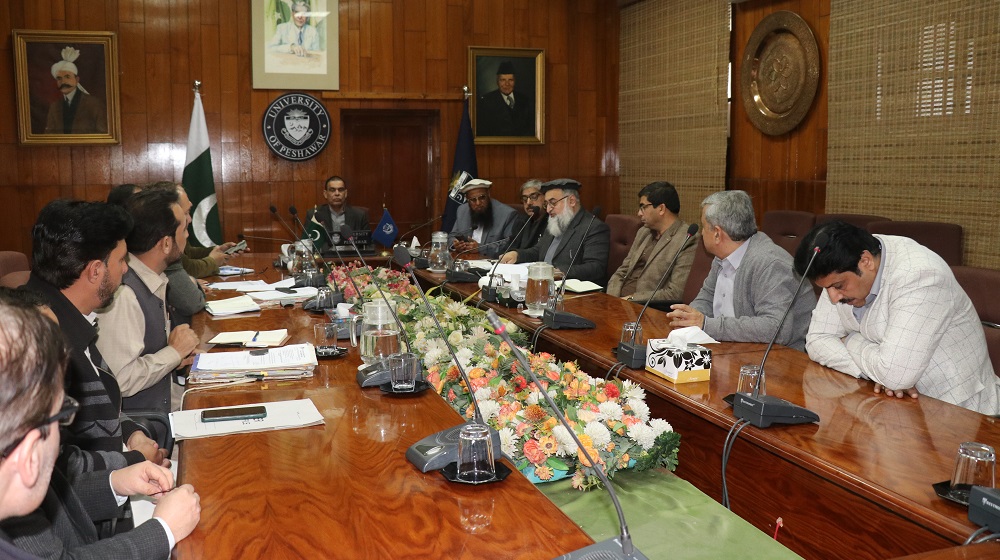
(67, 87)
(508, 95)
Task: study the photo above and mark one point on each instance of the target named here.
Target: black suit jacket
(495, 118)
(354, 217)
(63, 527)
(592, 265)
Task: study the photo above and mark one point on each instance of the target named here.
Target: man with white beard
(564, 235)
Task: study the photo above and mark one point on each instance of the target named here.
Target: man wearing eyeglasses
(531, 198)
(337, 212)
(564, 235)
(482, 224)
(654, 248)
(41, 513)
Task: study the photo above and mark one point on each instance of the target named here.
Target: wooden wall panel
(785, 172)
(394, 55)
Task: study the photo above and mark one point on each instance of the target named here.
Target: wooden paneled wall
(786, 172)
(395, 54)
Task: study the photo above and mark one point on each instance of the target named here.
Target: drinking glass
(748, 377)
(403, 371)
(975, 465)
(539, 286)
(475, 454)
(325, 334)
(632, 333)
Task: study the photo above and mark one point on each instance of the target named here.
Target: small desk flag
(386, 231)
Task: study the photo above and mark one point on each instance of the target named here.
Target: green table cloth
(668, 518)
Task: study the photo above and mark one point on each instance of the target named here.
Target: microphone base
(421, 263)
(610, 549)
(439, 450)
(632, 355)
(373, 375)
(764, 410)
(984, 505)
(565, 320)
(459, 276)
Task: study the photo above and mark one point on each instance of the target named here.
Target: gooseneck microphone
(418, 228)
(490, 291)
(454, 275)
(763, 410)
(369, 376)
(274, 212)
(437, 451)
(634, 355)
(555, 319)
(295, 216)
(621, 547)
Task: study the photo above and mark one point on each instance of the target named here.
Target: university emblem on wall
(296, 126)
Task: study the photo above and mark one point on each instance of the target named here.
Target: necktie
(302, 32)
(510, 101)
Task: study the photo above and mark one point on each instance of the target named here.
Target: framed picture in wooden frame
(295, 44)
(67, 87)
(508, 95)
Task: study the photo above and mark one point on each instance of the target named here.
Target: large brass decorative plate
(780, 73)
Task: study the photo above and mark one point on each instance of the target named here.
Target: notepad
(578, 286)
(231, 306)
(252, 339)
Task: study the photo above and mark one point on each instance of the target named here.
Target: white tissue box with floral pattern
(678, 364)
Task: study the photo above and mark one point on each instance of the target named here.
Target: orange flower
(550, 423)
(577, 389)
(522, 429)
(610, 447)
(548, 445)
(476, 372)
(543, 472)
(623, 462)
(588, 444)
(553, 375)
(535, 413)
(533, 452)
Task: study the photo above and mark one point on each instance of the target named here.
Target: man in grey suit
(32, 359)
(751, 281)
(654, 249)
(482, 224)
(337, 212)
(564, 235)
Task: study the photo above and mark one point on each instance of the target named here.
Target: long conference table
(856, 485)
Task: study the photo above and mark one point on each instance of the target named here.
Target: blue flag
(463, 169)
(386, 231)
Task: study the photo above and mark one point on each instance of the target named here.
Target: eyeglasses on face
(65, 417)
(532, 197)
(644, 206)
(478, 199)
(552, 203)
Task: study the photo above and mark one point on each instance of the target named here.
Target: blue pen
(254, 339)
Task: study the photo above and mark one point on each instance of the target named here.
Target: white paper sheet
(231, 306)
(281, 415)
(293, 356)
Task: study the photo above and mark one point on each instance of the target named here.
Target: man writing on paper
(564, 233)
(751, 281)
(42, 514)
(895, 314)
(135, 336)
(481, 223)
(654, 248)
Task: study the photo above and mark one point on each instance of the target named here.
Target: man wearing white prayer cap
(76, 112)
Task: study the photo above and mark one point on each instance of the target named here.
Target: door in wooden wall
(389, 160)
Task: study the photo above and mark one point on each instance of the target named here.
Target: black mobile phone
(286, 290)
(236, 413)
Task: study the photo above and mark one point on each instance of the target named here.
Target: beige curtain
(914, 97)
(673, 107)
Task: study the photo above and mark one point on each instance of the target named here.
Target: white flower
(632, 391)
(477, 334)
(508, 441)
(566, 444)
(586, 415)
(427, 323)
(610, 410)
(640, 409)
(533, 397)
(421, 335)
(490, 408)
(464, 356)
(455, 337)
(660, 426)
(598, 433)
(456, 308)
(643, 435)
(511, 327)
(484, 393)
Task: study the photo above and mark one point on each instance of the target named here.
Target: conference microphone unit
(490, 293)
(439, 450)
(556, 319)
(763, 410)
(611, 549)
(634, 355)
(454, 275)
(375, 374)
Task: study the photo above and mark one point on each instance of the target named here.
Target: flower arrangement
(610, 417)
(392, 282)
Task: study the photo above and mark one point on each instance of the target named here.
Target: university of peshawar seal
(296, 126)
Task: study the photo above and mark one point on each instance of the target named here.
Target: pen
(254, 339)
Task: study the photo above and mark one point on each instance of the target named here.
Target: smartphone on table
(234, 413)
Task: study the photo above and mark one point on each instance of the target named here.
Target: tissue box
(678, 364)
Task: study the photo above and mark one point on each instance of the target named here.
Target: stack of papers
(289, 362)
(233, 270)
(578, 286)
(252, 339)
(252, 285)
(274, 295)
(231, 306)
(281, 415)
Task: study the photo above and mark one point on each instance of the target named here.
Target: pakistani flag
(198, 182)
(315, 231)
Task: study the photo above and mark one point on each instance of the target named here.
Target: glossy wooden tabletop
(863, 474)
(345, 489)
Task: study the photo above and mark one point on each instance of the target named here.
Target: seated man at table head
(42, 514)
(482, 224)
(78, 260)
(654, 248)
(135, 335)
(750, 283)
(564, 235)
(538, 220)
(337, 212)
(894, 313)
